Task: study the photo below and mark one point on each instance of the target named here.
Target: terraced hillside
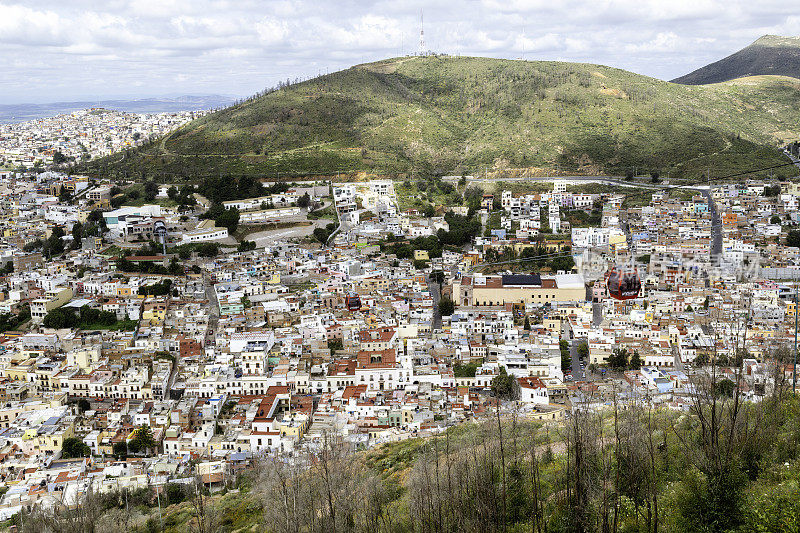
(462, 114)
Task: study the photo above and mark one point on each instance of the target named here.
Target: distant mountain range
(23, 112)
(769, 55)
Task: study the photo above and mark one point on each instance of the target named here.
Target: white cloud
(240, 46)
(271, 31)
(23, 25)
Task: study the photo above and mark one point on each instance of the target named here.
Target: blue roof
(522, 279)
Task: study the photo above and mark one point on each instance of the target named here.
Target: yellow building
(373, 283)
(54, 298)
(50, 441)
(154, 312)
(492, 291)
(124, 291)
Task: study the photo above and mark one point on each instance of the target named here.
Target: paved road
(678, 363)
(577, 372)
(795, 160)
(716, 225)
(267, 237)
(597, 313)
(213, 313)
(436, 321)
(607, 180)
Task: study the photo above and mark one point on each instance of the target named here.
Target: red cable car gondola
(353, 303)
(623, 284)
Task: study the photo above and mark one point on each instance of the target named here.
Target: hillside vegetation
(769, 55)
(463, 114)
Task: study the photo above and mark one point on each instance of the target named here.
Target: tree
(208, 249)
(83, 405)
(172, 193)
(793, 238)
(583, 350)
(775, 219)
(141, 440)
(59, 158)
(505, 386)
(120, 449)
(724, 387)
(636, 361)
(323, 234)
(304, 201)
(566, 358)
(437, 276)
(77, 234)
(73, 447)
(54, 245)
(229, 218)
(618, 360)
(246, 246)
(527, 324)
(150, 191)
(334, 345)
(175, 268)
(446, 306)
(64, 196)
(465, 371)
(60, 318)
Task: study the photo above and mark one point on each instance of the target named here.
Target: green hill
(462, 114)
(769, 55)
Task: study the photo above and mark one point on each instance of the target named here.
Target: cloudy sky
(77, 49)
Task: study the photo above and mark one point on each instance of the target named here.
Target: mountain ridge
(767, 55)
(435, 114)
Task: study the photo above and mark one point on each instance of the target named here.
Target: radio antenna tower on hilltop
(421, 50)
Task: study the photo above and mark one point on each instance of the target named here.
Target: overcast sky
(76, 49)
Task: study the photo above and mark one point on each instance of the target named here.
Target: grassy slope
(460, 114)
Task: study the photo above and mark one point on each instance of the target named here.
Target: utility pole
(160, 517)
(794, 365)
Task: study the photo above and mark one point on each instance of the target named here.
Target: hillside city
(350, 267)
(152, 334)
(82, 135)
